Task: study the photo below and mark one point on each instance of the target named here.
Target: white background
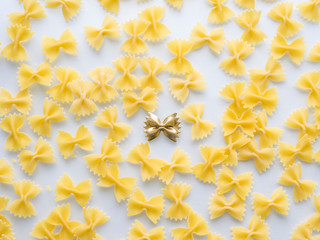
(180, 23)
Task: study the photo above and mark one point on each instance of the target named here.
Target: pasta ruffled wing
(234, 91)
(127, 81)
(110, 5)
(179, 64)
(314, 54)
(309, 82)
(175, 3)
(303, 231)
(138, 231)
(70, 8)
(310, 10)
(6, 172)
(245, 3)
(22, 101)
(219, 13)
(44, 230)
(314, 220)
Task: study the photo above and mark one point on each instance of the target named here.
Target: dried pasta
(214, 236)
(245, 3)
(127, 80)
(6, 172)
(303, 231)
(6, 229)
(138, 231)
(219, 13)
(22, 101)
(309, 82)
(70, 8)
(234, 91)
(310, 10)
(110, 5)
(175, 3)
(314, 54)
(43, 230)
(314, 220)
(179, 64)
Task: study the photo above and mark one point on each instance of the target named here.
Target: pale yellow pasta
(214, 236)
(219, 13)
(127, 80)
(310, 10)
(138, 231)
(175, 3)
(70, 8)
(234, 91)
(245, 3)
(303, 231)
(309, 81)
(22, 101)
(179, 64)
(314, 54)
(43, 230)
(6, 172)
(3, 202)
(314, 220)
(6, 229)
(110, 5)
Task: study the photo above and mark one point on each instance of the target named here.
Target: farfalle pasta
(70, 8)
(110, 5)
(22, 101)
(200, 128)
(6, 172)
(175, 3)
(314, 54)
(245, 3)
(219, 13)
(234, 91)
(67, 143)
(137, 203)
(138, 231)
(303, 231)
(44, 230)
(127, 80)
(309, 82)
(6, 231)
(314, 220)
(214, 236)
(310, 10)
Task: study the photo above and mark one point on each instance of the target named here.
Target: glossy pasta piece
(127, 80)
(15, 51)
(309, 82)
(153, 207)
(179, 64)
(6, 172)
(200, 128)
(110, 5)
(22, 101)
(95, 36)
(138, 231)
(310, 10)
(175, 3)
(314, 220)
(314, 54)
(234, 91)
(67, 143)
(303, 231)
(180, 88)
(215, 39)
(52, 112)
(70, 8)
(220, 13)
(302, 188)
(51, 47)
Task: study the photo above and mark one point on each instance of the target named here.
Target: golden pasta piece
(81, 192)
(314, 220)
(51, 46)
(3, 202)
(67, 143)
(6, 229)
(127, 80)
(42, 152)
(278, 201)
(138, 231)
(44, 230)
(310, 10)
(214, 236)
(302, 188)
(179, 64)
(22, 101)
(22, 207)
(110, 5)
(200, 128)
(234, 91)
(15, 51)
(6, 172)
(52, 111)
(219, 13)
(303, 231)
(234, 65)
(309, 82)
(215, 39)
(175, 3)
(137, 203)
(70, 8)
(314, 54)
(245, 3)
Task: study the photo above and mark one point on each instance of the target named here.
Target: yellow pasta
(196, 226)
(22, 207)
(296, 49)
(137, 203)
(175, 3)
(15, 51)
(214, 236)
(180, 88)
(82, 192)
(309, 82)
(303, 231)
(138, 231)
(6, 229)
(245, 3)
(302, 188)
(42, 152)
(95, 36)
(32, 9)
(215, 39)
(179, 64)
(22, 101)
(127, 80)
(200, 128)
(212, 156)
(43, 230)
(314, 54)
(150, 167)
(51, 46)
(70, 8)
(234, 91)
(249, 20)
(156, 31)
(234, 65)
(180, 162)
(148, 100)
(219, 13)
(310, 10)
(6, 172)
(16, 140)
(258, 230)
(3, 203)
(123, 187)
(179, 210)
(110, 5)
(67, 143)
(227, 181)
(278, 201)
(314, 220)
(52, 111)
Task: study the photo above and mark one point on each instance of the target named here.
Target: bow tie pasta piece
(180, 88)
(3, 203)
(215, 39)
(67, 143)
(282, 12)
(279, 201)
(303, 231)
(95, 36)
(196, 226)
(42, 152)
(179, 64)
(296, 49)
(6, 172)
(32, 9)
(14, 51)
(81, 192)
(258, 230)
(123, 187)
(6, 230)
(44, 230)
(249, 20)
(110, 5)
(212, 156)
(22, 207)
(22, 101)
(150, 167)
(16, 140)
(314, 54)
(138, 231)
(126, 81)
(219, 13)
(314, 220)
(218, 205)
(135, 45)
(245, 3)
(309, 82)
(93, 218)
(180, 162)
(148, 100)
(200, 128)
(239, 50)
(52, 111)
(303, 189)
(242, 184)
(214, 236)
(310, 10)
(61, 92)
(177, 4)
(137, 203)
(70, 8)
(51, 47)
(156, 31)
(152, 66)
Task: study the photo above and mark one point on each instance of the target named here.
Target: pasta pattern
(6, 172)
(138, 231)
(70, 8)
(219, 13)
(22, 101)
(127, 80)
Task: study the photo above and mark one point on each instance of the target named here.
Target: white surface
(180, 23)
